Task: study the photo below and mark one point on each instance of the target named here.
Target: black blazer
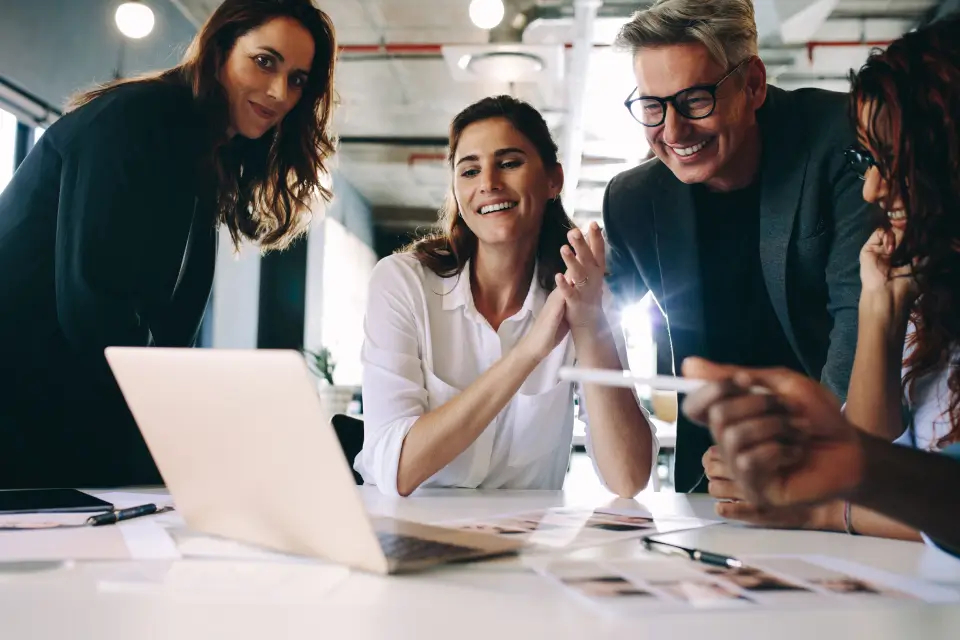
(813, 223)
(105, 239)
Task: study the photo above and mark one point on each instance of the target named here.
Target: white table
(257, 599)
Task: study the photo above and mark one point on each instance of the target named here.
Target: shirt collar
(461, 295)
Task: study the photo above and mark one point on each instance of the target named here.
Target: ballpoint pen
(698, 555)
(125, 514)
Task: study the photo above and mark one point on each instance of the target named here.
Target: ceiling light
(134, 19)
(506, 66)
(486, 14)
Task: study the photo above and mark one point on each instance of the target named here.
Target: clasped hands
(576, 303)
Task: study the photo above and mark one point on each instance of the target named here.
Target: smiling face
(264, 75)
(876, 188)
(500, 183)
(705, 151)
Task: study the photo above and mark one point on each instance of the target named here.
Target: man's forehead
(663, 71)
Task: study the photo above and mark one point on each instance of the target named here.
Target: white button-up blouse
(424, 342)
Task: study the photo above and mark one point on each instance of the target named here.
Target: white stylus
(618, 378)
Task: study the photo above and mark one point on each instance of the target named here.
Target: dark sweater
(105, 239)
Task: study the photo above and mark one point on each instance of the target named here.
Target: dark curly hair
(447, 251)
(912, 96)
(264, 187)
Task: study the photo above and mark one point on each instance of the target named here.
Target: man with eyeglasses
(746, 227)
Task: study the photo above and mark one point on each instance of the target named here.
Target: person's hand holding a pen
(790, 446)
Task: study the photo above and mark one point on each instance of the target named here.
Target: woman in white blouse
(465, 333)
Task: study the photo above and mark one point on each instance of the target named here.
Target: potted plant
(333, 398)
(322, 364)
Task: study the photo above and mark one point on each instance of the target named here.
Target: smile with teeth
(685, 152)
(492, 208)
(897, 215)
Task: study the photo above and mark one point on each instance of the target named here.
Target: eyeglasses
(694, 103)
(860, 160)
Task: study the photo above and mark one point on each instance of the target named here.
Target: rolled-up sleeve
(394, 393)
(613, 318)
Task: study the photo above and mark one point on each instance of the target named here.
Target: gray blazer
(813, 223)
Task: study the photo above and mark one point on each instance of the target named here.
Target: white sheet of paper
(632, 587)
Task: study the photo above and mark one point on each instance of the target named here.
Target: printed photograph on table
(768, 582)
(602, 588)
(841, 580)
(848, 585)
(753, 579)
(606, 586)
(572, 527)
(702, 593)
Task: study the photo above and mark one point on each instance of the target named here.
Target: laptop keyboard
(411, 549)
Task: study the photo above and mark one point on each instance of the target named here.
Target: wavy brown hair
(447, 251)
(912, 91)
(264, 187)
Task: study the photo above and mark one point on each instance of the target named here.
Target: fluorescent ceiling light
(134, 19)
(486, 14)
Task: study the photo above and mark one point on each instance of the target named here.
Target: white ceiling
(411, 94)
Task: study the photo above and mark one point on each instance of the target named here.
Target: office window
(8, 143)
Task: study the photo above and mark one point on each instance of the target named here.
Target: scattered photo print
(616, 527)
(701, 593)
(494, 529)
(849, 585)
(605, 586)
(753, 579)
(638, 521)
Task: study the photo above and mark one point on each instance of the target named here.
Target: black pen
(125, 514)
(697, 555)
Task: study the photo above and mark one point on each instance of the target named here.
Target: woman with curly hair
(108, 229)
(905, 385)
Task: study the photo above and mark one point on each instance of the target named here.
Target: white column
(313, 305)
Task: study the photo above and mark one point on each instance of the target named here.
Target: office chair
(350, 434)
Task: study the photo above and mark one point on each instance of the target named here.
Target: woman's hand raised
(582, 284)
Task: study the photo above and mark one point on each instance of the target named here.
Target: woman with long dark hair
(466, 331)
(108, 229)
(905, 386)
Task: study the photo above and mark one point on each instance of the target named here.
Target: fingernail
(575, 234)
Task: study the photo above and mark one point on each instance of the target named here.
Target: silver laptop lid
(246, 449)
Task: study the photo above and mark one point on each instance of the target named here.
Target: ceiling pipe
(428, 48)
(817, 44)
(516, 16)
(585, 14)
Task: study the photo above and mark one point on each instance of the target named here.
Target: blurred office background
(406, 68)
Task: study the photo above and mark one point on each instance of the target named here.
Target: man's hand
(733, 506)
(790, 446)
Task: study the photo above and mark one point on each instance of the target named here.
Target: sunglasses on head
(860, 160)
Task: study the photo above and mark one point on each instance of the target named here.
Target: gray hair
(727, 28)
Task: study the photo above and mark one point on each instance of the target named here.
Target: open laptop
(248, 453)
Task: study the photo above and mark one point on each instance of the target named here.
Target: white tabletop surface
(257, 598)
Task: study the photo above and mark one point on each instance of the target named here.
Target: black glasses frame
(710, 88)
(860, 160)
